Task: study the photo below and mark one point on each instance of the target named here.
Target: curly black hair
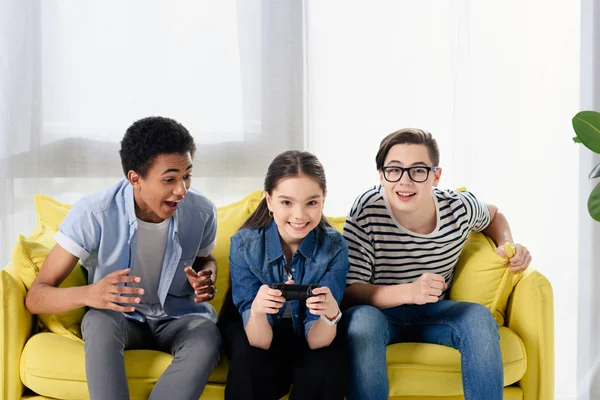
(150, 137)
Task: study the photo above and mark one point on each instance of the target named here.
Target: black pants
(267, 374)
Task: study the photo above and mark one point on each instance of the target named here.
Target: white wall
(495, 82)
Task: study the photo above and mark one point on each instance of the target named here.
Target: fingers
(189, 271)
(434, 281)
(119, 308)
(500, 251)
(123, 299)
(206, 290)
(121, 276)
(438, 285)
(432, 299)
(320, 298)
(127, 290)
(321, 290)
(198, 284)
(204, 297)
(521, 260)
(523, 266)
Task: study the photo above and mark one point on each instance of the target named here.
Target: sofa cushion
(29, 255)
(482, 277)
(54, 366)
(412, 367)
(229, 219)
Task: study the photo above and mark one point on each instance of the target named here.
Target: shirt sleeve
(79, 233)
(361, 253)
(335, 279)
(478, 211)
(244, 284)
(209, 237)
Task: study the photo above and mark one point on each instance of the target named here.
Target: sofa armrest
(530, 313)
(15, 329)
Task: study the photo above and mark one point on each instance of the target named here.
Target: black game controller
(294, 291)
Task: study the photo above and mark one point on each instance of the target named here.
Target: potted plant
(587, 128)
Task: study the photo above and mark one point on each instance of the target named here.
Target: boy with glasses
(404, 239)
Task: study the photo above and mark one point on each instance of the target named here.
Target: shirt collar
(130, 204)
(273, 243)
(130, 208)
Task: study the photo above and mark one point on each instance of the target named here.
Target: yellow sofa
(38, 364)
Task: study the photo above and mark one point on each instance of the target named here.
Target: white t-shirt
(151, 245)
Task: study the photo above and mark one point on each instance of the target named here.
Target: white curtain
(74, 75)
(496, 83)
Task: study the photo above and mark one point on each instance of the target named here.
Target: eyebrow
(281, 196)
(412, 165)
(176, 170)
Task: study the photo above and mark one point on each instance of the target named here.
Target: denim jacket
(257, 258)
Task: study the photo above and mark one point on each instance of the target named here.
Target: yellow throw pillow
(49, 211)
(229, 219)
(482, 277)
(337, 223)
(29, 256)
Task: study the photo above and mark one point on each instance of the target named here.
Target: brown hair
(291, 163)
(408, 136)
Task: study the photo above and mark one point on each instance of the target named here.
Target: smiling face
(407, 196)
(165, 185)
(297, 205)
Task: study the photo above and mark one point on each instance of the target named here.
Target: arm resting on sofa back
(530, 314)
(15, 329)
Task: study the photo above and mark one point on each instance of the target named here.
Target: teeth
(297, 225)
(404, 194)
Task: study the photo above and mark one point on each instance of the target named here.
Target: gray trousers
(194, 342)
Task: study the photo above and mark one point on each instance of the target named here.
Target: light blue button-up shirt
(100, 229)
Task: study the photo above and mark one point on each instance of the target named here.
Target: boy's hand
(105, 293)
(517, 254)
(427, 288)
(202, 284)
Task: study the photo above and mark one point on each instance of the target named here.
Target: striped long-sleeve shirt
(383, 252)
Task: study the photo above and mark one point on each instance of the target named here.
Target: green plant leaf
(587, 127)
(576, 140)
(594, 203)
(595, 172)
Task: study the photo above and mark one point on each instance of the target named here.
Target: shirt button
(293, 269)
(296, 316)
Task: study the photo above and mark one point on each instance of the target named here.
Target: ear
(381, 178)
(268, 197)
(437, 176)
(134, 178)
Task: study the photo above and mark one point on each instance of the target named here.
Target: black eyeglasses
(418, 174)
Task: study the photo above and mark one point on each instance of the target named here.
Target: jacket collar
(273, 243)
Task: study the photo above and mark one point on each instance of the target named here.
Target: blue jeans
(467, 327)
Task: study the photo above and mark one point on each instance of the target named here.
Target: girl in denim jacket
(273, 342)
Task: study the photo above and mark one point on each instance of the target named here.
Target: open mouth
(172, 205)
(405, 196)
(297, 226)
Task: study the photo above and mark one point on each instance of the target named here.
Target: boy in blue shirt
(146, 245)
